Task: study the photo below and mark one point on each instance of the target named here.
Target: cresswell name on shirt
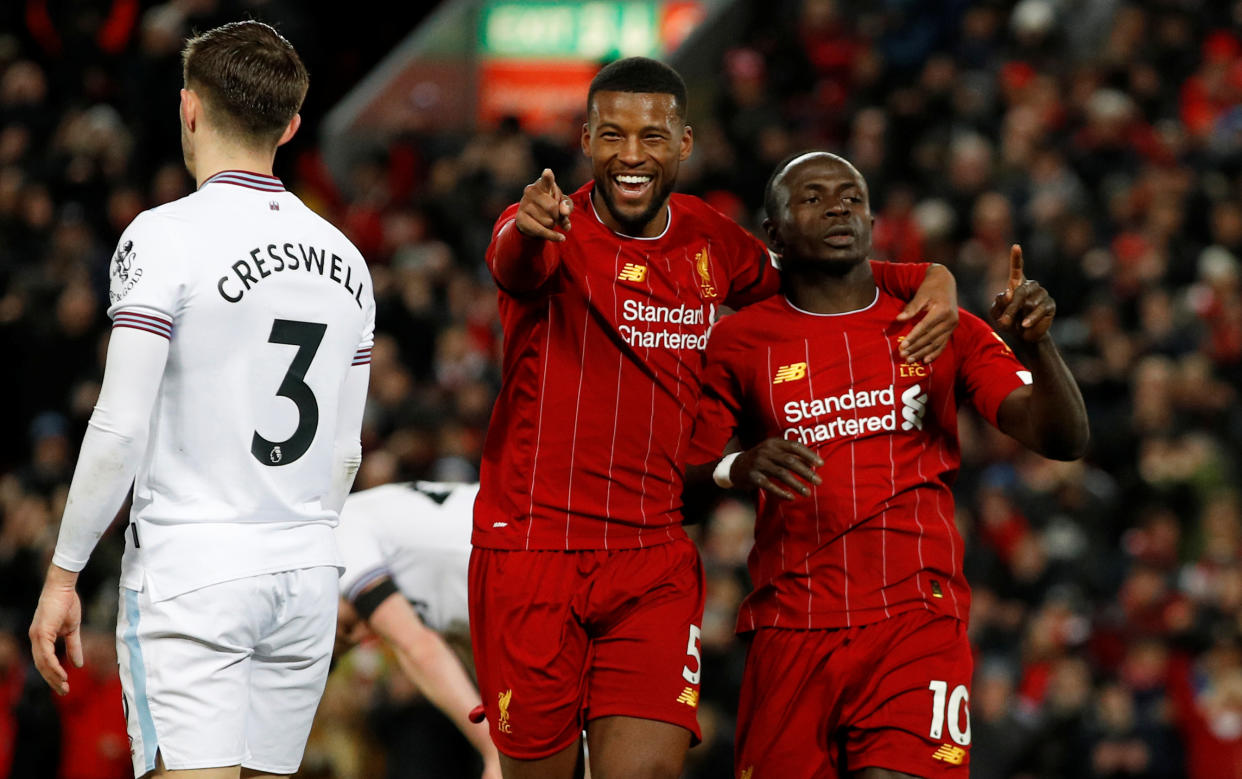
(279, 258)
(869, 411)
(641, 325)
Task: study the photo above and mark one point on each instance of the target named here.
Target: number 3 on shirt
(952, 710)
(306, 336)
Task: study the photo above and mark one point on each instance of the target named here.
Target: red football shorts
(826, 703)
(562, 638)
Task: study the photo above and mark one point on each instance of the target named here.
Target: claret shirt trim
(246, 179)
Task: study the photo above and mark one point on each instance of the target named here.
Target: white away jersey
(266, 307)
(417, 534)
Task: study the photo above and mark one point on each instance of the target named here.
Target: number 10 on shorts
(950, 707)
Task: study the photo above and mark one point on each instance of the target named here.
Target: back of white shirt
(266, 307)
(417, 534)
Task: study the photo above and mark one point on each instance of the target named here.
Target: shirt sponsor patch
(125, 274)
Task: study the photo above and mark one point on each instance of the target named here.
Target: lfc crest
(703, 267)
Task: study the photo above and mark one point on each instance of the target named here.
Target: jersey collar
(664, 232)
(874, 300)
(242, 178)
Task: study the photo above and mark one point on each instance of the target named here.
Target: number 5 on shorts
(956, 704)
(692, 649)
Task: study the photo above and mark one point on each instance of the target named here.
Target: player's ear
(189, 109)
(774, 239)
(291, 130)
(586, 138)
(687, 143)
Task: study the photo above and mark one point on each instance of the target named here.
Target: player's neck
(653, 229)
(212, 160)
(820, 290)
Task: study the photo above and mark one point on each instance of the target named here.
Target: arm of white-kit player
(111, 449)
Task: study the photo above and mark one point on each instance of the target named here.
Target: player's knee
(882, 773)
(641, 766)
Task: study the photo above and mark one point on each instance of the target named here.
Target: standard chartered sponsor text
(638, 311)
(805, 410)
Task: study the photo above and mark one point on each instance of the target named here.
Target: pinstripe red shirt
(877, 537)
(601, 373)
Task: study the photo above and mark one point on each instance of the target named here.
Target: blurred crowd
(1103, 135)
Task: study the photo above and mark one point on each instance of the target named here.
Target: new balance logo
(950, 754)
(690, 697)
(914, 406)
(791, 372)
(632, 272)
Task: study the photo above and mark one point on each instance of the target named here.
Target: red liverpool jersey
(877, 537)
(601, 377)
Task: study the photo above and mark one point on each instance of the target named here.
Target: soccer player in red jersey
(859, 665)
(586, 594)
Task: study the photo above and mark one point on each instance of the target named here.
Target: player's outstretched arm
(429, 662)
(936, 302)
(522, 254)
(1048, 415)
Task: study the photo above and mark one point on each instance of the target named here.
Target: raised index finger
(1016, 276)
(547, 181)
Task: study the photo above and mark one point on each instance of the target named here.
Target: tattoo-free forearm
(1051, 417)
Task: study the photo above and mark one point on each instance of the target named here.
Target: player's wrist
(1041, 346)
(723, 474)
(60, 578)
(518, 227)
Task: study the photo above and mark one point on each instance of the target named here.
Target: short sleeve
(900, 279)
(988, 371)
(720, 403)
(360, 550)
(753, 273)
(146, 277)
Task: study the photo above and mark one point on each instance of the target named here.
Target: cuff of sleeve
(369, 601)
(721, 474)
(66, 562)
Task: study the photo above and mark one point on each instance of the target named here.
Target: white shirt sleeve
(114, 443)
(357, 536)
(146, 276)
(347, 449)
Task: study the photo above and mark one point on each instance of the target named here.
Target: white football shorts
(229, 674)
